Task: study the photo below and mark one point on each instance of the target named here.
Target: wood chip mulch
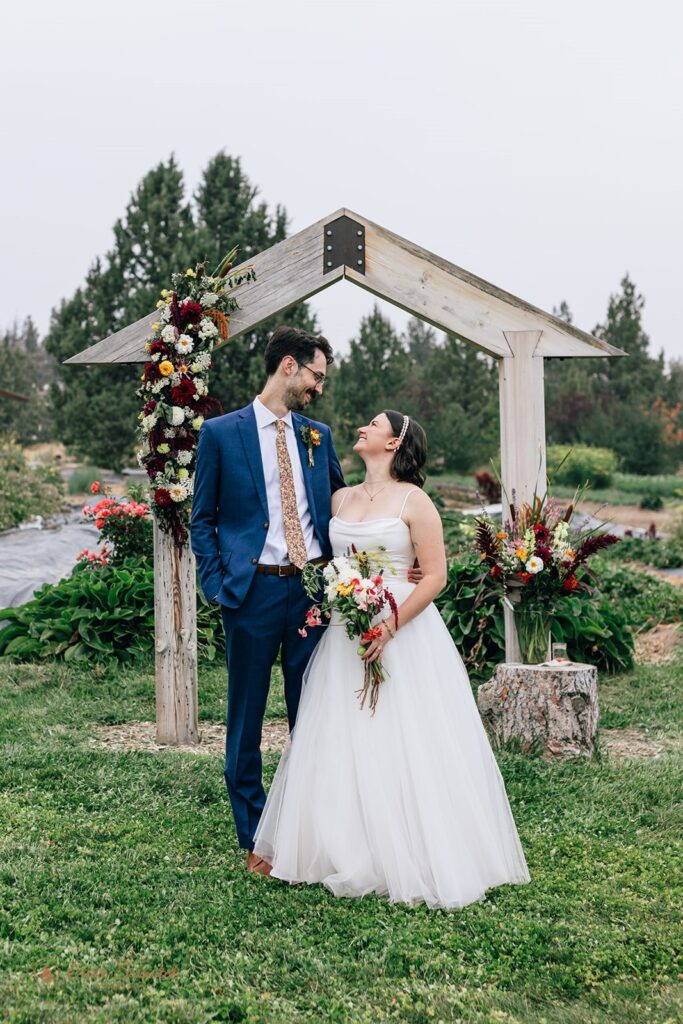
(142, 736)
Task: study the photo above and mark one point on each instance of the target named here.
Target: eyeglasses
(320, 378)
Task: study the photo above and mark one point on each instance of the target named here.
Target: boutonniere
(311, 438)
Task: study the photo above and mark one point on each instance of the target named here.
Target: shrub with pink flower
(125, 528)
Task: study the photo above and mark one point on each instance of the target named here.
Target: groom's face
(302, 386)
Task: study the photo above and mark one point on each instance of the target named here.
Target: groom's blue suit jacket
(230, 507)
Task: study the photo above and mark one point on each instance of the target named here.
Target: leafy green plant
(25, 492)
(593, 626)
(652, 501)
(574, 466)
(644, 600)
(100, 612)
(82, 479)
(662, 554)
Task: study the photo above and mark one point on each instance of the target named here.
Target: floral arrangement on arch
(192, 316)
(534, 552)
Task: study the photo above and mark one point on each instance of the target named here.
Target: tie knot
(280, 424)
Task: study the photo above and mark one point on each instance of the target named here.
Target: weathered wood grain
(175, 641)
(522, 436)
(287, 273)
(412, 278)
(554, 707)
(457, 301)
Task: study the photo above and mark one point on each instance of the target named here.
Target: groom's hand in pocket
(415, 573)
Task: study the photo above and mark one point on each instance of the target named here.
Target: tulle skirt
(407, 803)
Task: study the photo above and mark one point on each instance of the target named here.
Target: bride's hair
(411, 455)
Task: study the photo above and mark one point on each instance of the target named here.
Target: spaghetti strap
(400, 515)
(346, 494)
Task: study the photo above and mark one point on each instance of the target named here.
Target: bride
(409, 802)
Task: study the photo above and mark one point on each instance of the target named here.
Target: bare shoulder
(338, 498)
(419, 507)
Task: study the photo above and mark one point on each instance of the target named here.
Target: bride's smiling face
(376, 437)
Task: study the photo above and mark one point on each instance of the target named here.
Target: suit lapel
(252, 450)
(297, 423)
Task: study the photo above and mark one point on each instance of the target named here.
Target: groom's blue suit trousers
(266, 622)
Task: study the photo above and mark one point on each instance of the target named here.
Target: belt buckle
(280, 568)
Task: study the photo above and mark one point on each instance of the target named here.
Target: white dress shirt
(275, 548)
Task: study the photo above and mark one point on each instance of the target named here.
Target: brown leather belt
(286, 570)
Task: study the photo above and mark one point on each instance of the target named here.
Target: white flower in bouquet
(169, 334)
(184, 344)
(207, 328)
(209, 299)
(176, 415)
(170, 432)
(165, 313)
(148, 422)
(534, 565)
(201, 362)
(184, 458)
(178, 492)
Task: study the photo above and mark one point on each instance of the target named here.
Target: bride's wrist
(391, 629)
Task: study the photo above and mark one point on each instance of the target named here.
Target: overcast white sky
(536, 143)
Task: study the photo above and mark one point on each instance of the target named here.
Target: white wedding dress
(408, 803)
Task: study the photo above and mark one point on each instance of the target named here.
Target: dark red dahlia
(183, 443)
(541, 532)
(190, 313)
(152, 372)
(149, 407)
(156, 437)
(543, 552)
(183, 393)
(159, 346)
(162, 497)
(571, 583)
(155, 465)
(209, 406)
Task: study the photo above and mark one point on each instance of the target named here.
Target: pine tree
(371, 377)
(228, 215)
(26, 369)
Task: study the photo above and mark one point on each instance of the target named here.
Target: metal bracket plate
(344, 245)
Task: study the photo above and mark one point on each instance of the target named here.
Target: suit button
(254, 561)
(266, 525)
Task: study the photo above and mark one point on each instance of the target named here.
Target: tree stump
(551, 706)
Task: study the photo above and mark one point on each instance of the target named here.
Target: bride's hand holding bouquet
(353, 586)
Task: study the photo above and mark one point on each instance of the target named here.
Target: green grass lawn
(124, 897)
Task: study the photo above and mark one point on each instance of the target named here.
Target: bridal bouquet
(353, 586)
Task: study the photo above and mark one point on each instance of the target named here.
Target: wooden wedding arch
(350, 247)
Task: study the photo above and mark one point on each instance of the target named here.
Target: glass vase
(533, 623)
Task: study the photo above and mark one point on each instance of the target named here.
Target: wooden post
(522, 435)
(175, 641)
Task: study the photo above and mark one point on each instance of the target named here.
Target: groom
(261, 509)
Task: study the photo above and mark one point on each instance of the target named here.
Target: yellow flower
(315, 436)
(344, 589)
(156, 327)
(521, 553)
(190, 272)
(166, 368)
(183, 474)
(165, 293)
(569, 553)
(160, 303)
(197, 422)
(143, 377)
(483, 555)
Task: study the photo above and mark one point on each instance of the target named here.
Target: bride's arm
(426, 533)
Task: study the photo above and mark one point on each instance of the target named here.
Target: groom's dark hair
(292, 341)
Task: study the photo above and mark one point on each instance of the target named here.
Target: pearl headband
(404, 430)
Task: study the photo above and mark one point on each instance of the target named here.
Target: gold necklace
(372, 496)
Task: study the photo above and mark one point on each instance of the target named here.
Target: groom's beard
(297, 399)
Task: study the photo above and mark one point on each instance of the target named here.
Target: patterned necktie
(294, 535)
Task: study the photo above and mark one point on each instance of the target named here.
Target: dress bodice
(390, 533)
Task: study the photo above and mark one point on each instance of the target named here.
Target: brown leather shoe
(257, 865)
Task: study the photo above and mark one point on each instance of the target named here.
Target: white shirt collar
(264, 417)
